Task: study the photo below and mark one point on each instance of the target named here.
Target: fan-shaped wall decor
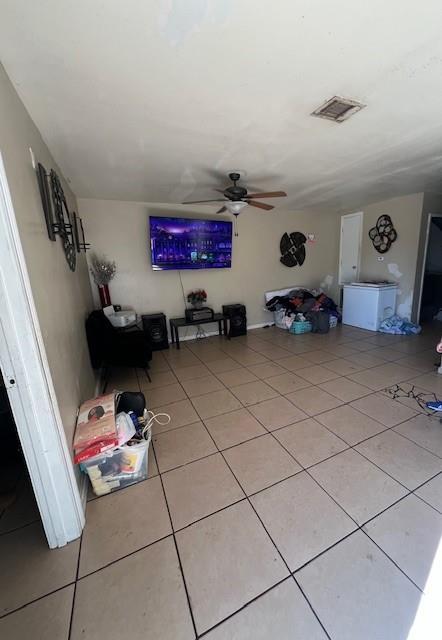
(292, 249)
(383, 234)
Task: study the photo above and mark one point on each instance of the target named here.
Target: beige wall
(120, 230)
(62, 298)
(399, 263)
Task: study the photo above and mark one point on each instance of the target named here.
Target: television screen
(183, 243)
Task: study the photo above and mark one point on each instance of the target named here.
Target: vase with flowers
(197, 298)
(103, 270)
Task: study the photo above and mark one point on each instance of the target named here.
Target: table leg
(177, 338)
(172, 332)
(220, 330)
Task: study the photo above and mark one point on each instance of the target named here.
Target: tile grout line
(75, 587)
(244, 606)
(264, 527)
(45, 595)
(247, 497)
(189, 603)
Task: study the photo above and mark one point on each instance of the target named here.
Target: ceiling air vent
(338, 109)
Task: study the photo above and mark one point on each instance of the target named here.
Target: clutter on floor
(424, 399)
(302, 310)
(398, 326)
(112, 439)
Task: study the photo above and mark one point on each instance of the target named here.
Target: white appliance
(120, 319)
(365, 305)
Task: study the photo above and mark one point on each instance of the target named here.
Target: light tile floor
(295, 500)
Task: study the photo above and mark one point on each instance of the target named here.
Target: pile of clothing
(313, 305)
(399, 326)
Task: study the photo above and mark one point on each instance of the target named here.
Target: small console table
(177, 323)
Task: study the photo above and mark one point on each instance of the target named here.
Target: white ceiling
(156, 100)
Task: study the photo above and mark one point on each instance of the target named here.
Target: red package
(96, 429)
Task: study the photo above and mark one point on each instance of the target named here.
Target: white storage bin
(119, 467)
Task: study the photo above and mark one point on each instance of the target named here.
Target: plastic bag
(399, 326)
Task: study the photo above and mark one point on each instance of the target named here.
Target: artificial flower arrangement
(197, 297)
(102, 269)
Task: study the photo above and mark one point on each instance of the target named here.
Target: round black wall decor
(292, 249)
(383, 234)
(63, 222)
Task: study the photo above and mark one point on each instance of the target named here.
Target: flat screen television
(186, 243)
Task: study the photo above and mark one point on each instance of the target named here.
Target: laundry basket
(298, 327)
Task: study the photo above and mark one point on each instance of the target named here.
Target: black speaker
(155, 328)
(237, 316)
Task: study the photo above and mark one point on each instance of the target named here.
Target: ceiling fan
(236, 197)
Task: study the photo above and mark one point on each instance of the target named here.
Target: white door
(350, 248)
(30, 390)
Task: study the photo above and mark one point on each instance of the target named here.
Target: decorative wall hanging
(63, 225)
(45, 194)
(292, 249)
(59, 221)
(383, 234)
(80, 242)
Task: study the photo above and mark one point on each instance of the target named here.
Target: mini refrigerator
(365, 305)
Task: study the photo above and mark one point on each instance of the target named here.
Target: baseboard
(260, 325)
(215, 333)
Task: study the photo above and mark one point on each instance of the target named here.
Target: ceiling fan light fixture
(235, 207)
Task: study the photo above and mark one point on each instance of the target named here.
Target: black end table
(177, 323)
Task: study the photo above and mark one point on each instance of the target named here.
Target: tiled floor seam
(247, 497)
(127, 555)
(273, 542)
(359, 527)
(386, 472)
(260, 520)
(22, 526)
(293, 457)
(75, 587)
(391, 560)
(23, 606)
(189, 604)
(416, 443)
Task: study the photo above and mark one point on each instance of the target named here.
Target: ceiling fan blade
(219, 190)
(202, 201)
(269, 194)
(260, 205)
(222, 210)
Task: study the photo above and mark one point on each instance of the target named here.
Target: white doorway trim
(423, 264)
(30, 389)
(360, 215)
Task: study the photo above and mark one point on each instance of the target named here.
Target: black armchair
(109, 346)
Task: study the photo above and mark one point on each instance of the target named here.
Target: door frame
(360, 215)
(30, 389)
(416, 314)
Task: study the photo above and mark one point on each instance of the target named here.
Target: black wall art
(292, 249)
(383, 234)
(59, 220)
